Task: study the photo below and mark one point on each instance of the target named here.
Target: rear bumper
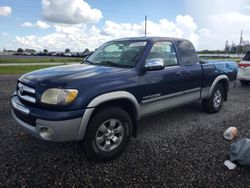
(244, 74)
(243, 77)
(60, 130)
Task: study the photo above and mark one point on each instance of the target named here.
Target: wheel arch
(122, 99)
(224, 81)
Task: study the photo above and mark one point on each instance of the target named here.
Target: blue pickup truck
(100, 101)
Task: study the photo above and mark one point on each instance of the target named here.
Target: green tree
(86, 52)
(45, 51)
(20, 50)
(67, 50)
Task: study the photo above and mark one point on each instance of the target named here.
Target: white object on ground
(230, 133)
(229, 165)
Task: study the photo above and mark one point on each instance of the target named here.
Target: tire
(215, 102)
(108, 133)
(244, 82)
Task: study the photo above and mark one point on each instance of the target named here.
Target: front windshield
(118, 54)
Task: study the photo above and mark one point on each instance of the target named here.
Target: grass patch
(39, 60)
(20, 69)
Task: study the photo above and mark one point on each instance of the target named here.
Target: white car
(244, 70)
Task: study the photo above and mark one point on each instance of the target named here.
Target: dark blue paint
(39, 113)
(92, 81)
(212, 69)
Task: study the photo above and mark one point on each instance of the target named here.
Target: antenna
(146, 18)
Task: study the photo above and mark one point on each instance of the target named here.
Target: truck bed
(212, 69)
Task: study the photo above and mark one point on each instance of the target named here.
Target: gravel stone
(183, 147)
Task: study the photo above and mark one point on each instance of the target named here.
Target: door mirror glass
(154, 64)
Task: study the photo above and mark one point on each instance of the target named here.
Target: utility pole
(80, 50)
(241, 39)
(226, 47)
(146, 18)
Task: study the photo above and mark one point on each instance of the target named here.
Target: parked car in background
(101, 100)
(244, 70)
(69, 54)
(27, 53)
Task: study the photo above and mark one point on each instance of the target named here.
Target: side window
(165, 51)
(188, 55)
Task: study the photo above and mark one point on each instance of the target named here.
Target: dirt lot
(182, 147)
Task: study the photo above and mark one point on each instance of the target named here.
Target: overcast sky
(79, 24)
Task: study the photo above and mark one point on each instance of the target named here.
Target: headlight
(59, 96)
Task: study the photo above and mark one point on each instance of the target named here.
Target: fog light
(46, 133)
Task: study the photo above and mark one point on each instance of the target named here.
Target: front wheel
(215, 102)
(108, 133)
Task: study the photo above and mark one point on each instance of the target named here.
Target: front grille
(26, 93)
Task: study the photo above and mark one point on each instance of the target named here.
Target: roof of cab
(150, 39)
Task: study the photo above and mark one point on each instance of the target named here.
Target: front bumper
(61, 129)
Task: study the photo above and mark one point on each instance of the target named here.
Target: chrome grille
(26, 93)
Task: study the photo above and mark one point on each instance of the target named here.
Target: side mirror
(154, 64)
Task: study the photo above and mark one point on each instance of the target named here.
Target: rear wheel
(215, 102)
(244, 82)
(108, 133)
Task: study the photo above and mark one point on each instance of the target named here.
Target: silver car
(244, 70)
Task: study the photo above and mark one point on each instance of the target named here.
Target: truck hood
(89, 80)
(65, 74)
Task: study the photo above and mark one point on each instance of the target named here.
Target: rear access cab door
(176, 84)
(189, 61)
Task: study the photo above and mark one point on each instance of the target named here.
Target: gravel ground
(183, 147)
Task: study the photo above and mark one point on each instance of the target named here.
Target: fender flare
(217, 79)
(100, 100)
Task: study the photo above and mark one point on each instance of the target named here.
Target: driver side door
(162, 89)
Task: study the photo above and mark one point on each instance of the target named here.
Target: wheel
(108, 133)
(244, 82)
(215, 102)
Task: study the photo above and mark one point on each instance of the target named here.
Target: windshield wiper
(110, 63)
(89, 62)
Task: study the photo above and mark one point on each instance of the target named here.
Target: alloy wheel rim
(109, 135)
(217, 99)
